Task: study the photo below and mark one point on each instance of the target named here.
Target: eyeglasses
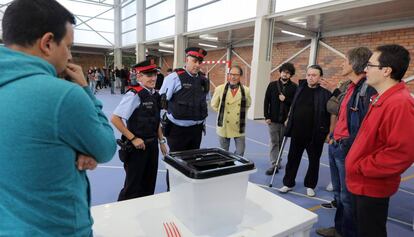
(233, 75)
(373, 65)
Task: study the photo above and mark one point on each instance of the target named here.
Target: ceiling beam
(317, 9)
(295, 29)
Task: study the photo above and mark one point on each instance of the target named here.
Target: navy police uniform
(140, 107)
(183, 95)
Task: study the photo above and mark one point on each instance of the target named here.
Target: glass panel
(151, 2)
(160, 29)
(129, 24)
(129, 10)
(161, 11)
(91, 37)
(194, 3)
(108, 15)
(285, 5)
(97, 24)
(129, 38)
(83, 8)
(202, 17)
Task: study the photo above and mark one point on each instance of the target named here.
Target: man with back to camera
(383, 147)
(52, 129)
(231, 101)
(140, 107)
(277, 101)
(308, 127)
(353, 107)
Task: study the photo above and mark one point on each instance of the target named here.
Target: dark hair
(239, 68)
(396, 57)
(169, 70)
(358, 58)
(288, 67)
(25, 21)
(316, 66)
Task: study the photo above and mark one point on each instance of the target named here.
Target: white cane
(276, 169)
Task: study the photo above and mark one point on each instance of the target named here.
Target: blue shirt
(130, 101)
(171, 85)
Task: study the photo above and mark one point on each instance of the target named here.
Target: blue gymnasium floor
(107, 179)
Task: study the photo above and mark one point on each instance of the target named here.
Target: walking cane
(276, 170)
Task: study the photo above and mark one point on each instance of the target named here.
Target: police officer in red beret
(140, 108)
(183, 96)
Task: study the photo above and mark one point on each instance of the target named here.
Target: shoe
(270, 170)
(329, 205)
(285, 189)
(327, 232)
(329, 188)
(310, 192)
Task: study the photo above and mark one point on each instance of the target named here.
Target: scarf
(242, 107)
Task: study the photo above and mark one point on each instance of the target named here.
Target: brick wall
(330, 62)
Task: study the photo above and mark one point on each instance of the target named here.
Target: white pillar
(228, 58)
(140, 17)
(180, 42)
(261, 59)
(117, 34)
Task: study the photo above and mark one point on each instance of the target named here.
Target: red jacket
(383, 148)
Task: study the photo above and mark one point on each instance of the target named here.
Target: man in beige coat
(231, 101)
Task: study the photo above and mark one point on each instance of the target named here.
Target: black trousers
(296, 149)
(371, 215)
(182, 139)
(141, 167)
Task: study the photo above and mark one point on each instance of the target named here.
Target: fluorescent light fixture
(291, 33)
(209, 37)
(165, 45)
(111, 53)
(165, 51)
(208, 45)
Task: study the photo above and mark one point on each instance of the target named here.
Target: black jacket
(321, 118)
(273, 108)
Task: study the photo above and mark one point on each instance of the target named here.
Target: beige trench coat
(231, 119)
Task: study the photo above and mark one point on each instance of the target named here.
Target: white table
(265, 214)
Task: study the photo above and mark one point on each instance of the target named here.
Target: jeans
(344, 216)
(239, 142)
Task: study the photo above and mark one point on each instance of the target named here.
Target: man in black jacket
(277, 101)
(308, 127)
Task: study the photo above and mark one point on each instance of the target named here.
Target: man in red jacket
(383, 148)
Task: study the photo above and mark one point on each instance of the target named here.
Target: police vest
(145, 119)
(189, 103)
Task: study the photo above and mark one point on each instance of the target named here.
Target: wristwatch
(162, 140)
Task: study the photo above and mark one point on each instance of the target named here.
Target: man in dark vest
(140, 107)
(183, 95)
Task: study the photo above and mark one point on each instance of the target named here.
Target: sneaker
(310, 192)
(329, 188)
(270, 170)
(327, 232)
(285, 189)
(329, 205)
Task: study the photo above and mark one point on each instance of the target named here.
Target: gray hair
(358, 58)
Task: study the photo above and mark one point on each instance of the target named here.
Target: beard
(284, 79)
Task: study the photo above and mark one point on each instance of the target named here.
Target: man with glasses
(231, 101)
(383, 147)
(277, 101)
(353, 107)
(140, 108)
